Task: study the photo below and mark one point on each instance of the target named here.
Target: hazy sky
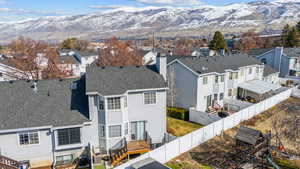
(11, 10)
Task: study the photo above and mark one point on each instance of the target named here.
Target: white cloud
(107, 6)
(171, 2)
(5, 10)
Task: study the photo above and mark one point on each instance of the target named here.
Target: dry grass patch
(180, 127)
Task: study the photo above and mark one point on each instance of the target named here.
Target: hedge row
(178, 113)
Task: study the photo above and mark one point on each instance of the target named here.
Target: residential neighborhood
(228, 99)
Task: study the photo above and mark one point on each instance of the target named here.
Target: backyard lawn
(180, 127)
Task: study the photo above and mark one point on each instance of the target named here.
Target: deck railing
(7, 163)
(118, 150)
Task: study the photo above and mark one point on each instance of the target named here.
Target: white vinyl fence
(185, 143)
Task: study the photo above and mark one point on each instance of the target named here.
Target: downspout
(53, 147)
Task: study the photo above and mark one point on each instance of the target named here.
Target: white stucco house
(205, 82)
(284, 60)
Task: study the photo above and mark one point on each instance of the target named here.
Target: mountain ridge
(166, 21)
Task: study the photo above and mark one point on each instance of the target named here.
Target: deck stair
(123, 149)
(7, 163)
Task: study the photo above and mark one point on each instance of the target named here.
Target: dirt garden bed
(220, 151)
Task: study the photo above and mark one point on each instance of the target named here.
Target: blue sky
(11, 10)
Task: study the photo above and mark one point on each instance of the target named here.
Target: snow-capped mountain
(164, 20)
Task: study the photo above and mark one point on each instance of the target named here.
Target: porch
(124, 148)
(256, 90)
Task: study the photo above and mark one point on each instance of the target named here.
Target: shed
(148, 163)
(248, 135)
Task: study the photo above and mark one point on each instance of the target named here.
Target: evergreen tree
(293, 38)
(218, 42)
(285, 34)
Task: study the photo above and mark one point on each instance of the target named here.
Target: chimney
(161, 64)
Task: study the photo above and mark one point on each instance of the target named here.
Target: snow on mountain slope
(159, 19)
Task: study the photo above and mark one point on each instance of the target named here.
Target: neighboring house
(76, 62)
(9, 72)
(204, 82)
(130, 102)
(150, 58)
(270, 75)
(47, 123)
(203, 52)
(284, 60)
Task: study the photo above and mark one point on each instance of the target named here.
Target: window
(205, 80)
(68, 136)
(222, 78)
(236, 75)
(115, 131)
(215, 96)
(114, 103)
(250, 70)
(230, 92)
(257, 69)
(126, 128)
(221, 97)
(230, 76)
(101, 104)
(28, 138)
(125, 101)
(102, 131)
(150, 98)
(65, 159)
(242, 72)
(216, 79)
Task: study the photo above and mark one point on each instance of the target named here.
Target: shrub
(178, 113)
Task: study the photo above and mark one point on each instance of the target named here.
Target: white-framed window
(222, 78)
(29, 138)
(221, 97)
(68, 136)
(64, 159)
(250, 70)
(216, 79)
(125, 101)
(230, 75)
(126, 128)
(150, 98)
(115, 131)
(101, 130)
(101, 104)
(114, 103)
(230, 92)
(205, 80)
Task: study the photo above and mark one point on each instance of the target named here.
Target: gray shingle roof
(54, 103)
(259, 51)
(248, 135)
(268, 70)
(117, 80)
(218, 63)
(292, 52)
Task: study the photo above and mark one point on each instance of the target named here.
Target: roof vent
(61, 80)
(48, 94)
(11, 81)
(121, 67)
(27, 81)
(34, 86)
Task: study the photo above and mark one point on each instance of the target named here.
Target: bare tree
(32, 60)
(118, 53)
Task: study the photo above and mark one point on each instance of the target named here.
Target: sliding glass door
(138, 130)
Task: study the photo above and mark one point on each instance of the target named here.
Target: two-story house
(284, 60)
(204, 82)
(46, 123)
(128, 103)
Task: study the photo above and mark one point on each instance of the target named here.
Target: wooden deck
(137, 147)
